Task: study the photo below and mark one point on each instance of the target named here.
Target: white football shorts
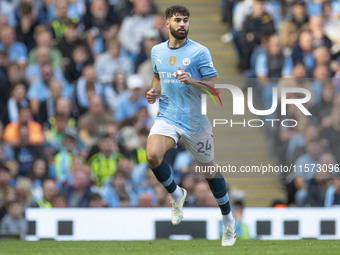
(201, 145)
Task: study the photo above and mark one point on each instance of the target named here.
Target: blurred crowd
(287, 44)
(75, 121)
(74, 118)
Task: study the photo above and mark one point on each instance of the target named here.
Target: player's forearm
(156, 84)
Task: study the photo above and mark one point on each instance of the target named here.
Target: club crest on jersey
(186, 61)
(172, 60)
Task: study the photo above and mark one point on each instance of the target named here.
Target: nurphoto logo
(239, 105)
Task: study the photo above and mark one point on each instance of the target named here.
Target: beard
(179, 35)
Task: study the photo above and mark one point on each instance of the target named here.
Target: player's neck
(174, 43)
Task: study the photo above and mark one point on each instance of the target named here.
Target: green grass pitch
(164, 247)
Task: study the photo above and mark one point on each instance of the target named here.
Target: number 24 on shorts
(201, 148)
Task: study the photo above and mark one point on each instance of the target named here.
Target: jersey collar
(185, 43)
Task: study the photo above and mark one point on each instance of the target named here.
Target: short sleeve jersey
(180, 104)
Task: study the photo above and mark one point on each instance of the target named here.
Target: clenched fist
(151, 95)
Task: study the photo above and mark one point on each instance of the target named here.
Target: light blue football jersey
(180, 104)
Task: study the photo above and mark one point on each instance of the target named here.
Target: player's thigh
(201, 146)
(163, 136)
(158, 145)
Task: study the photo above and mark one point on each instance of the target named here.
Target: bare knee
(156, 148)
(154, 159)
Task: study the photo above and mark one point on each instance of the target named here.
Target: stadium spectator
(24, 191)
(126, 167)
(323, 108)
(332, 197)
(129, 145)
(141, 119)
(256, 24)
(299, 71)
(291, 28)
(17, 51)
(201, 192)
(101, 17)
(104, 163)
(80, 58)
(34, 71)
(142, 180)
(5, 177)
(77, 194)
(110, 61)
(163, 197)
(316, 26)
(39, 90)
(322, 56)
(63, 159)
(150, 38)
(16, 74)
(89, 131)
(125, 8)
(47, 108)
(144, 200)
(49, 188)
(94, 41)
(14, 221)
(296, 144)
(320, 75)
(6, 154)
(55, 135)
(124, 200)
(160, 25)
(25, 153)
(86, 86)
(70, 41)
(273, 63)
(97, 115)
(318, 185)
(115, 91)
(96, 201)
(63, 107)
(331, 134)
(7, 10)
(138, 156)
(18, 99)
(116, 190)
(43, 38)
(301, 178)
(11, 132)
(60, 18)
(59, 201)
(38, 175)
(303, 51)
(9, 194)
(26, 25)
(5, 85)
(133, 27)
(127, 108)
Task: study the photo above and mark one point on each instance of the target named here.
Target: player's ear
(167, 23)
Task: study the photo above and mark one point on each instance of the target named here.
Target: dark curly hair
(176, 9)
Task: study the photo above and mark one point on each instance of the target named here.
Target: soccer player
(176, 63)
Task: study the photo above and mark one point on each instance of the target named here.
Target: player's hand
(182, 76)
(151, 96)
